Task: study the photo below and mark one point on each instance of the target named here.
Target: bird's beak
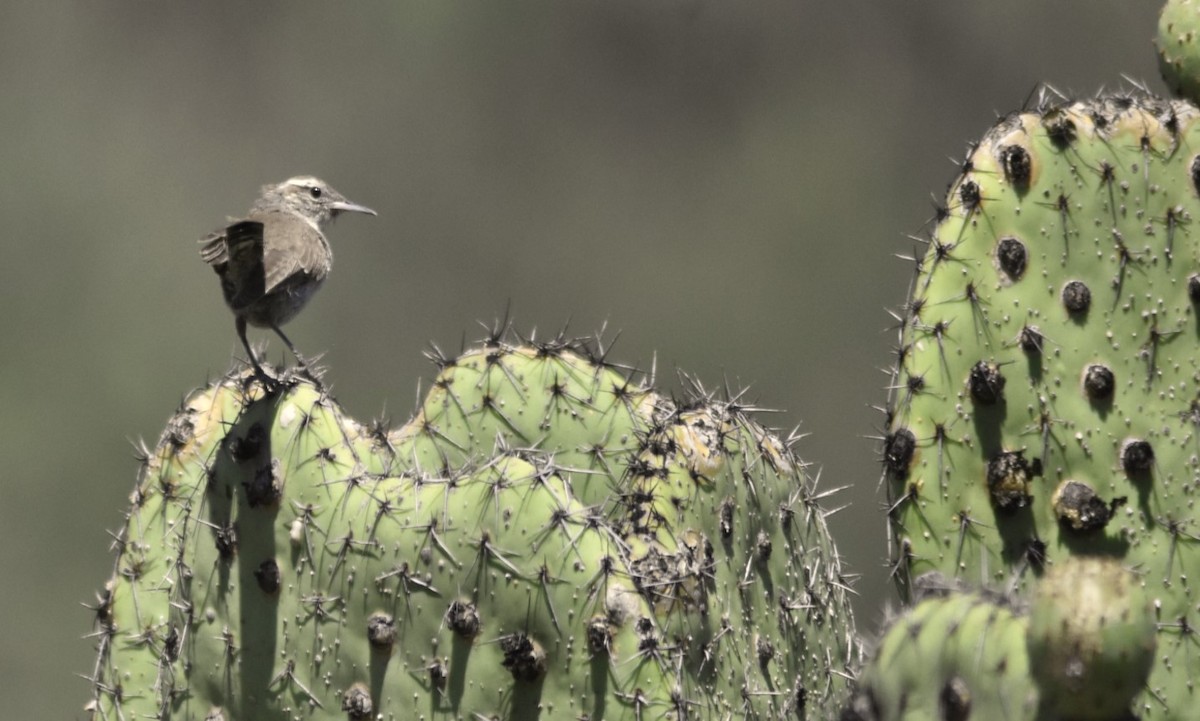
(348, 207)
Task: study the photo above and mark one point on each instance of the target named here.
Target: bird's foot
(271, 385)
(310, 371)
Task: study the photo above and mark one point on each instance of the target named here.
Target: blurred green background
(725, 183)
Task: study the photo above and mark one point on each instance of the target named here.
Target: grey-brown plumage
(272, 261)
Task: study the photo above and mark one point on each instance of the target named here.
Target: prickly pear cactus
(1178, 44)
(1081, 652)
(1047, 396)
(547, 538)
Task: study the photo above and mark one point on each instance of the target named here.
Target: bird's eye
(315, 192)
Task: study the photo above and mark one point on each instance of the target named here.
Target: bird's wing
(213, 249)
(291, 245)
(242, 277)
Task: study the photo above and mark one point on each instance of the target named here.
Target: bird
(272, 261)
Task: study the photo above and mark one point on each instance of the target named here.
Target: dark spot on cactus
(1079, 508)
(1076, 297)
(226, 541)
(726, 517)
(625, 392)
(644, 469)
(267, 576)
(787, 516)
(915, 306)
(1137, 456)
(247, 447)
(137, 564)
(1193, 287)
(680, 704)
(649, 644)
(180, 431)
(1194, 172)
(463, 619)
(940, 213)
(662, 445)
(898, 448)
(1018, 166)
(911, 492)
(1191, 414)
(378, 431)
(968, 193)
(523, 657)
(1010, 253)
(171, 643)
(762, 547)
(264, 489)
(169, 487)
(1008, 478)
(1170, 121)
(1099, 383)
(357, 704)
(381, 631)
(599, 636)
(1035, 553)
(104, 605)
(800, 697)
(942, 251)
(1031, 339)
(439, 674)
(955, 700)
(765, 651)
(1059, 128)
(986, 383)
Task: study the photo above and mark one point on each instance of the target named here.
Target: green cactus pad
(547, 538)
(1081, 653)
(1091, 639)
(954, 658)
(1178, 45)
(1048, 375)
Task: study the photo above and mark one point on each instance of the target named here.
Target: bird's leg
(259, 373)
(304, 367)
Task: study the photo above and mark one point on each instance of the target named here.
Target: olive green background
(724, 183)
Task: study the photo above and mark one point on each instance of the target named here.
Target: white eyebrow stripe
(303, 181)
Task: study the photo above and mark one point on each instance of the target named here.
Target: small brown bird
(271, 262)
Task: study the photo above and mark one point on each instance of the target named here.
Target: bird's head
(311, 197)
